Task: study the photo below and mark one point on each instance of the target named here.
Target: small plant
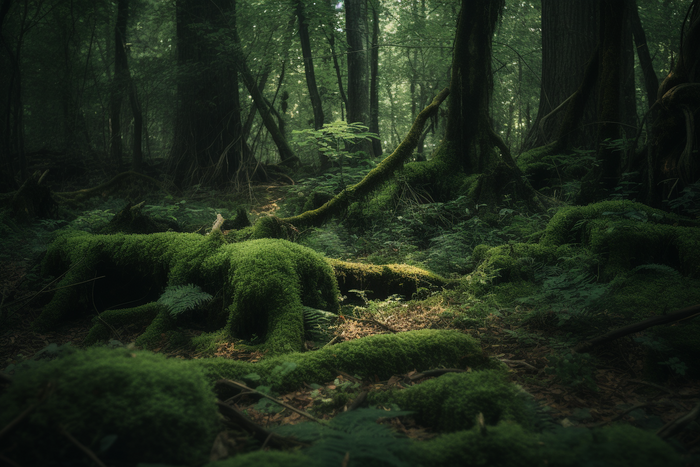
(181, 298)
(573, 369)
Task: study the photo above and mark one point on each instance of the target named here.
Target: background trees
(221, 86)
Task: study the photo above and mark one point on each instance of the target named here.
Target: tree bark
(568, 37)
(119, 83)
(315, 97)
(358, 72)
(468, 130)
(373, 83)
(651, 82)
(207, 144)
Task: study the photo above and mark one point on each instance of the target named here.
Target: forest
(349, 233)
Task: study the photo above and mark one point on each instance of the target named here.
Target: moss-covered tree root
(264, 283)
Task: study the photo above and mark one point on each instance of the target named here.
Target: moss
(265, 282)
(453, 401)
(508, 444)
(161, 410)
(383, 280)
(564, 227)
(513, 262)
(379, 356)
(265, 458)
(113, 319)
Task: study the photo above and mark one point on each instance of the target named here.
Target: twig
(82, 447)
(358, 401)
(243, 387)
(647, 383)
(374, 321)
(258, 432)
(678, 424)
(435, 372)
(520, 362)
(9, 462)
(677, 315)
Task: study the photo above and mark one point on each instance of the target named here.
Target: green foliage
(317, 325)
(452, 401)
(379, 356)
(181, 298)
(142, 399)
(334, 139)
(573, 369)
(508, 444)
(355, 434)
(688, 201)
(571, 294)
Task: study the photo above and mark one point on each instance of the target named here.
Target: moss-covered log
(373, 179)
(264, 284)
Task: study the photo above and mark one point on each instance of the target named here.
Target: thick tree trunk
(672, 162)
(207, 144)
(568, 37)
(469, 131)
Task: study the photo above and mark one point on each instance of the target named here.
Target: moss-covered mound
(263, 283)
(380, 356)
(382, 281)
(628, 234)
(453, 401)
(159, 410)
(508, 444)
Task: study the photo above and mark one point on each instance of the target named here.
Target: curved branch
(376, 176)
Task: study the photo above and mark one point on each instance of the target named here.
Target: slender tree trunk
(329, 32)
(315, 97)
(651, 82)
(119, 82)
(373, 85)
(358, 72)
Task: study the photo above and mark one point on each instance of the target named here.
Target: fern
(181, 298)
(660, 269)
(355, 434)
(317, 324)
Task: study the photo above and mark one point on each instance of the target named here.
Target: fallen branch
(685, 313)
(243, 387)
(258, 432)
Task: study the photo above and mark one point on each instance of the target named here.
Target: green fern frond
(317, 324)
(660, 269)
(181, 298)
(355, 432)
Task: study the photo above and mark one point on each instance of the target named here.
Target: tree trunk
(316, 103)
(672, 163)
(568, 37)
(373, 84)
(207, 144)
(651, 82)
(358, 73)
(119, 83)
(469, 131)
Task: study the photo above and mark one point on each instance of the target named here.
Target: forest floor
(620, 391)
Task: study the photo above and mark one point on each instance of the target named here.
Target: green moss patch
(379, 356)
(508, 444)
(152, 408)
(453, 401)
(264, 283)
